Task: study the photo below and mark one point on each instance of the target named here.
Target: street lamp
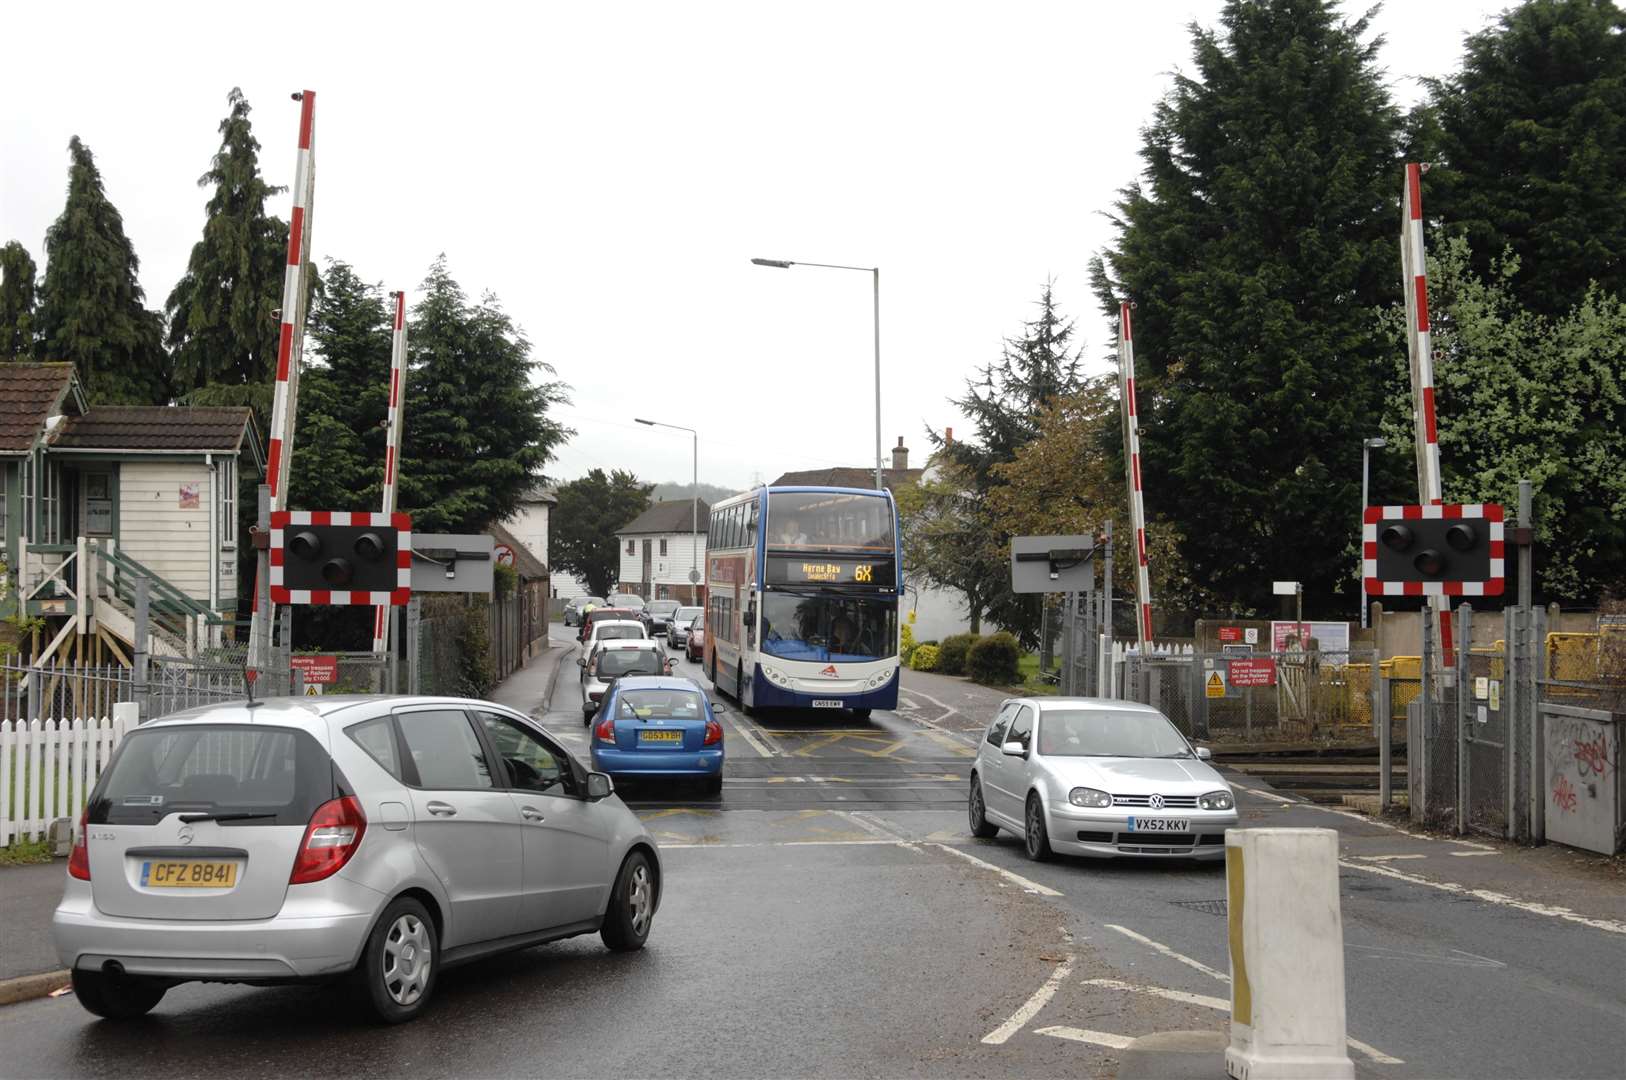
(694, 509)
(1367, 446)
(875, 272)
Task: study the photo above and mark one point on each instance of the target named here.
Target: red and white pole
(392, 446)
(290, 345)
(1137, 503)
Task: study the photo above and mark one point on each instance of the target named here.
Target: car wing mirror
(718, 708)
(599, 786)
(1204, 754)
(581, 661)
(671, 665)
(1014, 749)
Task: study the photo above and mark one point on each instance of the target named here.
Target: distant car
(695, 646)
(660, 727)
(630, 601)
(677, 628)
(605, 614)
(613, 660)
(307, 840)
(1087, 776)
(573, 608)
(604, 630)
(658, 616)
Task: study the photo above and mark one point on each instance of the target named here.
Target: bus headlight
(880, 678)
(1216, 800)
(774, 676)
(1088, 796)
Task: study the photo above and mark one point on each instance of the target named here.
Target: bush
(952, 653)
(993, 660)
(923, 658)
(907, 643)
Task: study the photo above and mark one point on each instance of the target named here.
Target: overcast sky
(609, 171)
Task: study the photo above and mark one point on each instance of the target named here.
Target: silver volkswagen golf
(1087, 776)
(380, 839)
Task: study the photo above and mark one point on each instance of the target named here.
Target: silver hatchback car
(1087, 776)
(380, 839)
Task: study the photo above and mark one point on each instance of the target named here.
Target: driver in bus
(792, 533)
(843, 635)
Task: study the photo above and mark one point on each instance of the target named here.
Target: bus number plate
(826, 703)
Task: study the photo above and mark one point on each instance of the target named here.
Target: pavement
(829, 915)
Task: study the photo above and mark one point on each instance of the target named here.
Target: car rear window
(617, 662)
(280, 773)
(620, 633)
(659, 705)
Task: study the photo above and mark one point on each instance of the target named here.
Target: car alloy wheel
(408, 956)
(981, 827)
(632, 905)
(1038, 840)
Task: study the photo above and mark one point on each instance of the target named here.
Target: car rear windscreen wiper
(205, 816)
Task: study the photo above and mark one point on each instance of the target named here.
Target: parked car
(605, 614)
(611, 630)
(660, 727)
(658, 616)
(574, 606)
(1086, 776)
(694, 647)
(677, 630)
(631, 601)
(613, 660)
(378, 839)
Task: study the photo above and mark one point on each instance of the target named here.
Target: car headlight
(1216, 800)
(1088, 796)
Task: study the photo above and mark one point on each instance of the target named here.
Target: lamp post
(1367, 446)
(694, 509)
(875, 273)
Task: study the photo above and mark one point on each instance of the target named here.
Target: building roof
(529, 566)
(179, 429)
(849, 477)
(29, 395)
(540, 492)
(674, 516)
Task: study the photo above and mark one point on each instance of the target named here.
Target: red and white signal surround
(1415, 551)
(398, 528)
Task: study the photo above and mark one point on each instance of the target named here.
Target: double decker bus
(802, 593)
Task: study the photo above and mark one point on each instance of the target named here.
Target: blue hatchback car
(659, 726)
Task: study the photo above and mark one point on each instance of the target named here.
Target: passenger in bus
(791, 533)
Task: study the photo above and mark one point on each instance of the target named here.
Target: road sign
(1251, 635)
(340, 557)
(313, 689)
(453, 562)
(1214, 684)
(1230, 633)
(1049, 564)
(1453, 549)
(1237, 649)
(694, 577)
(1255, 672)
(316, 669)
(504, 555)
(1332, 637)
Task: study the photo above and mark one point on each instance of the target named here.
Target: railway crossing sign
(1450, 549)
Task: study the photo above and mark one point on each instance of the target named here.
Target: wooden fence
(47, 768)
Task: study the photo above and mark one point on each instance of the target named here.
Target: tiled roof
(27, 394)
(529, 566)
(844, 476)
(196, 429)
(674, 516)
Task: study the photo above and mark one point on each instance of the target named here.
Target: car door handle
(440, 809)
(530, 813)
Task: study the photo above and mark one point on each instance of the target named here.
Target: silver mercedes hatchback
(1088, 776)
(379, 839)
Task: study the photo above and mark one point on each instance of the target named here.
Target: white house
(661, 546)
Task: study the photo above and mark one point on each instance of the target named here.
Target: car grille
(1087, 837)
(1170, 802)
(1157, 839)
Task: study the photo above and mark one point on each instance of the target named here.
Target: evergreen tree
(222, 322)
(1532, 133)
(17, 274)
(477, 429)
(590, 511)
(1256, 247)
(90, 306)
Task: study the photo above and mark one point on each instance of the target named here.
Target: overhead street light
(875, 272)
(694, 508)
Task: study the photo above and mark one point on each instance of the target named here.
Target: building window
(663, 546)
(632, 547)
(226, 479)
(5, 474)
(26, 528)
(50, 503)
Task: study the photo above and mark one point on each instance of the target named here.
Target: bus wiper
(189, 818)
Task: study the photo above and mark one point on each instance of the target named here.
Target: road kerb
(29, 987)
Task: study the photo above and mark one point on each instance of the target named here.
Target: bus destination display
(824, 570)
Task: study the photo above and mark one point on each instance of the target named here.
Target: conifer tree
(222, 323)
(17, 273)
(90, 304)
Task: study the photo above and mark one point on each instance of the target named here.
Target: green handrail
(164, 597)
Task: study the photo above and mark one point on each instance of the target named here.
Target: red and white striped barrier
(1490, 513)
(1137, 504)
(392, 446)
(282, 520)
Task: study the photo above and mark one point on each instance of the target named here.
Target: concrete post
(285, 650)
(1418, 753)
(142, 634)
(1109, 690)
(1535, 670)
(1465, 710)
(414, 618)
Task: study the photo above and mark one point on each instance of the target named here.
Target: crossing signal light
(326, 557)
(1439, 550)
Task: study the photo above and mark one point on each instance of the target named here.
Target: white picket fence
(47, 768)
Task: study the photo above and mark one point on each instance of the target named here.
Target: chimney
(948, 436)
(900, 456)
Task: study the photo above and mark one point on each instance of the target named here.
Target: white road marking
(1378, 1056)
(1030, 1008)
(1272, 796)
(1490, 896)
(1098, 1038)
(751, 740)
(1015, 879)
(948, 710)
(1222, 1004)
(875, 829)
(796, 843)
(1391, 858)
(1460, 959)
(1158, 946)
(1470, 854)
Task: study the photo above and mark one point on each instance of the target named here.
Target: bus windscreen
(829, 521)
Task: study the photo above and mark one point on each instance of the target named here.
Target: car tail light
(605, 732)
(714, 732)
(79, 859)
(333, 835)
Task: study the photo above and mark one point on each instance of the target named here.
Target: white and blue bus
(802, 593)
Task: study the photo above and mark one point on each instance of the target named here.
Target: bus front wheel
(739, 690)
(862, 714)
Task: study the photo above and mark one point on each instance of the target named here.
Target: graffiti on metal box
(1564, 794)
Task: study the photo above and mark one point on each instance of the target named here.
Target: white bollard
(1287, 956)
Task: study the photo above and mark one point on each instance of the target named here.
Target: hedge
(952, 653)
(924, 658)
(993, 660)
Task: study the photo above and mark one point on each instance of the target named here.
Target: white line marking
(948, 710)
(1391, 858)
(1222, 1004)
(1030, 1008)
(1461, 959)
(1272, 796)
(1471, 854)
(1490, 896)
(875, 829)
(750, 739)
(1016, 879)
(1377, 1056)
(795, 843)
(1099, 1038)
(1158, 946)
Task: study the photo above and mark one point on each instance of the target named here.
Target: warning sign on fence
(317, 669)
(1258, 672)
(1214, 686)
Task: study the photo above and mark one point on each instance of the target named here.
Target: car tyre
(1037, 834)
(587, 716)
(116, 997)
(981, 827)
(400, 963)
(713, 785)
(632, 905)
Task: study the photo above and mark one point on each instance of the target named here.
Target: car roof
(655, 682)
(1047, 704)
(629, 643)
(307, 712)
(599, 623)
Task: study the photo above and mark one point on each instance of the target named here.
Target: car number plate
(669, 735)
(1159, 825)
(189, 874)
(827, 703)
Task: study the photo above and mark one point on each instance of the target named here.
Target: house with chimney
(662, 547)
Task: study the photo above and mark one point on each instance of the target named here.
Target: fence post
(1425, 693)
(1383, 697)
(285, 651)
(1465, 709)
(142, 634)
(1111, 672)
(1535, 670)
(1380, 720)
(413, 628)
(1065, 684)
